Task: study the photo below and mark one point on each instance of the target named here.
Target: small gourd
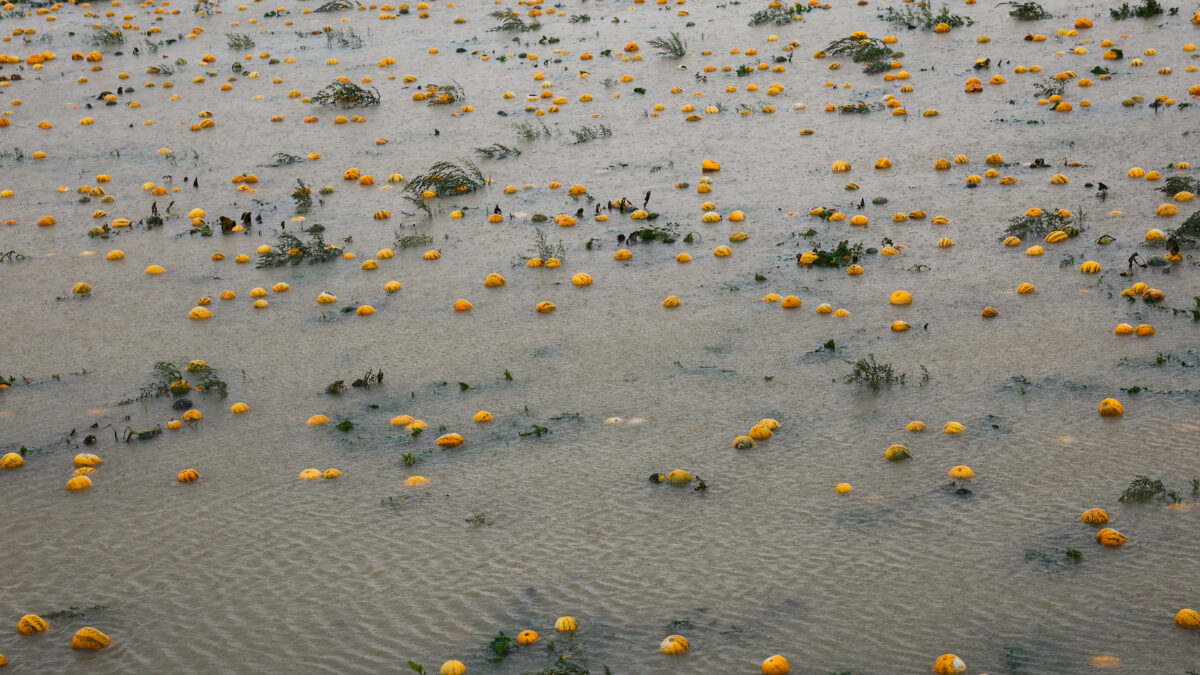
(1110, 537)
(897, 453)
(776, 665)
(1094, 517)
(674, 644)
(90, 638)
(949, 664)
(32, 623)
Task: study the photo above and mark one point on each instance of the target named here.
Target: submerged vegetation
(447, 178)
(1027, 11)
(872, 53)
(172, 378)
(921, 16)
(781, 15)
(347, 95)
(672, 45)
(290, 249)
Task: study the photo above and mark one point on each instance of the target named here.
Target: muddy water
(252, 570)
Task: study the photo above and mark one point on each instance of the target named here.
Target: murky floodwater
(250, 569)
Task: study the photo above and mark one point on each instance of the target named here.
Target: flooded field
(195, 133)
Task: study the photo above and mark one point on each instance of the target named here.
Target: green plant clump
(1147, 9)
(291, 249)
(166, 374)
(871, 52)
(347, 95)
(1026, 226)
(870, 372)
(1027, 11)
(780, 16)
(923, 17)
(447, 178)
(672, 45)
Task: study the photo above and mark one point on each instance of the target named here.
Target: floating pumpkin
(900, 326)
(674, 644)
(854, 270)
(949, 664)
(565, 624)
(776, 665)
(1110, 537)
(12, 460)
(431, 254)
(679, 477)
(843, 488)
(953, 428)
(483, 416)
(989, 313)
(743, 443)
(527, 637)
(452, 668)
(188, 476)
(449, 440)
(1188, 618)
(330, 474)
(791, 302)
(915, 425)
(1026, 288)
(823, 308)
(462, 305)
(961, 472)
(1111, 407)
(896, 453)
(317, 420)
(1034, 251)
(671, 301)
(901, 298)
(623, 254)
(709, 165)
(415, 481)
(1094, 517)
(1144, 330)
(32, 623)
(79, 483)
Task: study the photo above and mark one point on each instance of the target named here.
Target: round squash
(953, 428)
(1110, 537)
(949, 664)
(452, 667)
(1188, 618)
(32, 623)
(776, 665)
(843, 488)
(90, 638)
(527, 637)
(674, 644)
(581, 279)
(1094, 517)
(12, 461)
(79, 483)
(330, 474)
(188, 476)
(769, 423)
(961, 472)
(1111, 407)
(565, 624)
(915, 425)
(449, 441)
(310, 474)
(896, 453)
(759, 432)
(483, 416)
(743, 443)
(679, 477)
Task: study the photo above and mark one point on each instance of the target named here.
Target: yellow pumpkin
(854, 270)
(900, 326)
(722, 251)
(415, 481)
(674, 644)
(791, 302)
(623, 254)
(949, 664)
(1026, 288)
(527, 637)
(79, 483)
(453, 668)
(431, 254)
(483, 416)
(581, 279)
(330, 474)
(449, 440)
(1090, 267)
(1034, 251)
(1055, 237)
(896, 453)
(87, 459)
(32, 623)
(776, 665)
(1110, 537)
(310, 474)
(565, 624)
(1111, 407)
(1188, 618)
(743, 443)
(545, 307)
(1094, 517)
(401, 420)
(759, 432)
(1144, 330)
(901, 298)
(843, 488)
(915, 425)
(989, 313)
(188, 476)
(12, 461)
(953, 428)
(671, 301)
(317, 420)
(1012, 241)
(769, 423)
(462, 305)
(494, 280)
(679, 477)
(961, 472)
(1123, 329)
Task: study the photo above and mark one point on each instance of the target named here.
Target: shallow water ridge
(545, 509)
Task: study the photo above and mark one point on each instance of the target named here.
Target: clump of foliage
(585, 134)
(302, 195)
(284, 159)
(544, 249)
(672, 45)
(107, 36)
(336, 6)
(530, 132)
(923, 17)
(239, 41)
(445, 94)
(1147, 9)
(1143, 489)
(1027, 11)
(871, 52)
(1025, 226)
(1063, 559)
(870, 372)
(447, 178)
(347, 95)
(1188, 234)
(843, 255)
(780, 16)
(345, 38)
(291, 249)
(499, 647)
(170, 378)
(497, 151)
(1175, 184)
(665, 234)
(413, 240)
(1049, 88)
(510, 20)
